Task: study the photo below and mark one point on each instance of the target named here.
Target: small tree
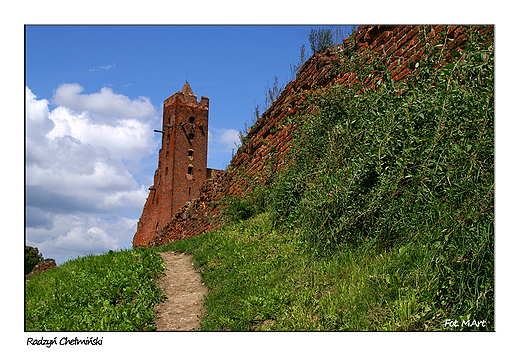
(32, 258)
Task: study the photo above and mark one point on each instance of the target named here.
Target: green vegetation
(295, 70)
(32, 258)
(320, 39)
(263, 279)
(384, 221)
(400, 180)
(115, 291)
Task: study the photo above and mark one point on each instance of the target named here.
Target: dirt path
(185, 292)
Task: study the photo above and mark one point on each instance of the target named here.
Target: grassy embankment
(115, 291)
(384, 221)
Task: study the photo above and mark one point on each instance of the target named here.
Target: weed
(399, 182)
(115, 291)
(383, 221)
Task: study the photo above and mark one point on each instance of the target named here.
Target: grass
(384, 221)
(115, 291)
(263, 279)
(258, 279)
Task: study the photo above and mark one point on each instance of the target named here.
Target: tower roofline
(186, 95)
(187, 89)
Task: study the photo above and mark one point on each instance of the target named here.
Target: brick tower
(182, 162)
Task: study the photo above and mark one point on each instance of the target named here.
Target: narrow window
(190, 170)
(190, 153)
(191, 136)
(189, 191)
(166, 171)
(192, 120)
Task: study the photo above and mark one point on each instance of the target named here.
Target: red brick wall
(198, 216)
(268, 141)
(182, 164)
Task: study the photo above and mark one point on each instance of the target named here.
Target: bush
(403, 165)
(32, 258)
(242, 207)
(320, 40)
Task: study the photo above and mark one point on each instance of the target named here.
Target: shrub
(320, 39)
(405, 164)
(242, 207)
(32, 258)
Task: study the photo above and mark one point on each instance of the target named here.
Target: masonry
(269, 141)
(182, 168)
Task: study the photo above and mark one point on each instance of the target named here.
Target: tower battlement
(186, 95)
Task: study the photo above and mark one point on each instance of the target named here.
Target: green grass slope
(382, 219)
(116, 291)
(391, 188)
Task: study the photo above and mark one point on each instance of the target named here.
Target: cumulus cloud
(124, 138)
(221, 139)
(80, 169)
(37, 119)
(74, 235)
(221, 143)
(103, 106)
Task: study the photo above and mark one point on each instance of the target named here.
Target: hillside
(363, 199)
(380, 174)
(372, 57)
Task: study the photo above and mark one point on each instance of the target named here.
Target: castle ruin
(182, 167)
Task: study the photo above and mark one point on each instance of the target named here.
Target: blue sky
(229, 64)
(74, 217)
(94, 95)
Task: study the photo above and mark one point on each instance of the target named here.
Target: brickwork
(182, 169)
(197, 216)
(47, 264)
(267, 143)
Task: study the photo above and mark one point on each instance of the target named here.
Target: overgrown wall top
(269, 140)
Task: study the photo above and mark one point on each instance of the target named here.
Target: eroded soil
(185, 292)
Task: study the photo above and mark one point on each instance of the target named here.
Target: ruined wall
(182, 169)
(47, 264)
(401, 47)
(197, 216)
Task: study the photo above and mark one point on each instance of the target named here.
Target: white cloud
(37, 119)
(37, 110)
(131, 199)
(223, 139)
(81, 239)
(99, 68)
(77, 235)
(221, 144)
(80, 158)
(124, 138)
(105, 105)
